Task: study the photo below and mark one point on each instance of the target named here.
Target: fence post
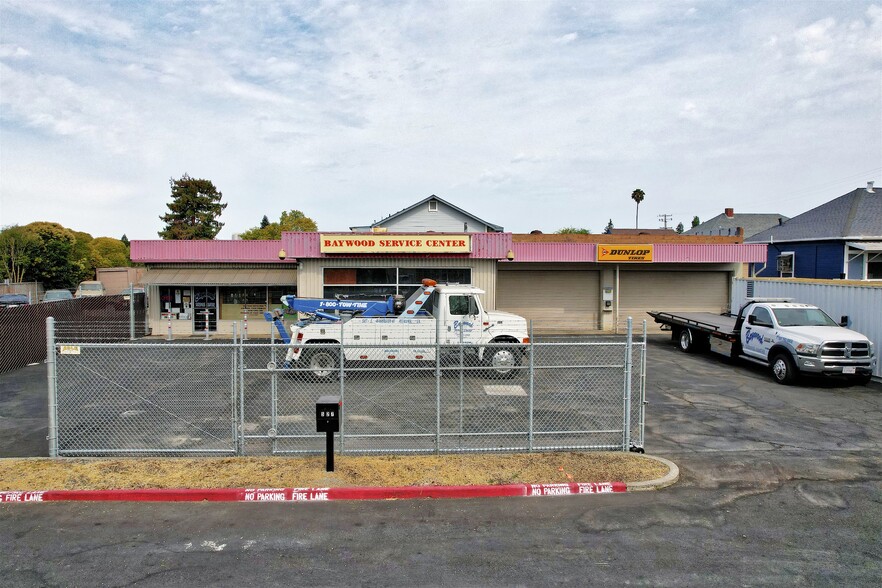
(626, 417)
(234, 403)
(51, 372)
(241, 369)
(131, 311)
(643, 387)
(438, 385)
(532, 387)
(342, 360)
(245, 326)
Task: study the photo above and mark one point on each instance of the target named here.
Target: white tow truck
(790, 338)
(436, 316)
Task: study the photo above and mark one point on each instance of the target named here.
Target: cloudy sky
(530, 115)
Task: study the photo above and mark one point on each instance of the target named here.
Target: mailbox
(327, 414)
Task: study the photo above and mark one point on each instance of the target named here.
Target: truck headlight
(807, 349)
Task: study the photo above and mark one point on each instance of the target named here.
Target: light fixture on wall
(510, 255)
(282, 255)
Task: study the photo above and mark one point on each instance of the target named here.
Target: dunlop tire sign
(624, 253)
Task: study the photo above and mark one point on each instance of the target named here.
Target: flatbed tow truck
(790, 338)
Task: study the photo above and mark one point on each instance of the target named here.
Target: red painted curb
(311, 494)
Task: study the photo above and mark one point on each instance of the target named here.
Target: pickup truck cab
(789, 337)
(800, 338)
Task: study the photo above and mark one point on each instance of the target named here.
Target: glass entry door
(204, 308)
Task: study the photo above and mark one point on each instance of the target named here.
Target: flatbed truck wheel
(686, 341)
(783, 369)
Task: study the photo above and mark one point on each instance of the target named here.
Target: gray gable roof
(752, 223)
(854, 216)
(404, 211)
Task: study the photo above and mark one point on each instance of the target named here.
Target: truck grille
(846, 350)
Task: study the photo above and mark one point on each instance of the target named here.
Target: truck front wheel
(323, 363)
(783, 369)
(504, 362)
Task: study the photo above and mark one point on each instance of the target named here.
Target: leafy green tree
(609, 228)
(637, 196)
(109, 252)
(572, 231)
(680, 229)
(193, 211)
(17, 245)
(291, 220)
(55, 258)
(695, 222)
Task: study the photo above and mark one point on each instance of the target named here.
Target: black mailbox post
(327, 420)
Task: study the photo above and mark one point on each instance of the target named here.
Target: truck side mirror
(843, 320)
(751, 320)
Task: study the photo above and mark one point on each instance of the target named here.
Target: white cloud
(334, 106)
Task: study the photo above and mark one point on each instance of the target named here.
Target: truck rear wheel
(783, 369)
(686, 341)
(323, 364)
(504, 362)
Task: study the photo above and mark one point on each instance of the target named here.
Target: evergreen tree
(125, 240)
(609, 228)
(193, 211)
(680, 229)
(264, 222)
(290, 220)
(695, 222)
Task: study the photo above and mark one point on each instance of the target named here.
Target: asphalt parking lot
(779, 486)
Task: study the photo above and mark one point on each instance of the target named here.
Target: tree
(572, 231)
(16, 248)
(291, 220)
(108, 252)
(680, 229)
(695, 222)
(58, 256)
(637, 196)
(193, 211)
(125, 240)
(264, 222)
(609, 228)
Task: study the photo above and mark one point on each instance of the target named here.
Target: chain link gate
(240, 397)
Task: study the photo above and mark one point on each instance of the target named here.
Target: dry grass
(307, 472)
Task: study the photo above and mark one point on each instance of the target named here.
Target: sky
(529, 115)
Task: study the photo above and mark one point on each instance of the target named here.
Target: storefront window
(238, 301)
(176, 301)
(380, 282)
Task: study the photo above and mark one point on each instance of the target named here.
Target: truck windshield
(803, 317)
(91, 286)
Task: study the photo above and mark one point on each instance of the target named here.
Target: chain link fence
(96, 318)
(243, 398)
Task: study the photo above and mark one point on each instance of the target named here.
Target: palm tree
(637, 196)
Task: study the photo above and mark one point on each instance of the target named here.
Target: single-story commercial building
(563, 283)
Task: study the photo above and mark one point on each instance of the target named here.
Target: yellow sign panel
(634, 253)
(390, 243)
(70, 350)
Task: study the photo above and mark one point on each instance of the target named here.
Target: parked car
(90, 288)
(10, 300)
(53, 295)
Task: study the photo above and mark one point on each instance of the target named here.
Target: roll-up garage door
(557, 301)
(642, 291)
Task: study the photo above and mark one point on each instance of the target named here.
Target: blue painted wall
(822, 260)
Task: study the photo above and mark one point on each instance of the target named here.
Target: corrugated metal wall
(310, 279)
(862, 304)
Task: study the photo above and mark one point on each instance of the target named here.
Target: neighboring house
(431, 214)
(841, 239)
(728, 223)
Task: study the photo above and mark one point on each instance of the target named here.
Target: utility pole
(665, 218)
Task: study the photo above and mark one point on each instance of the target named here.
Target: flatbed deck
(704, 321)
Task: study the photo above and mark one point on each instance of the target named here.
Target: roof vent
(730, 212)
(870, 188)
